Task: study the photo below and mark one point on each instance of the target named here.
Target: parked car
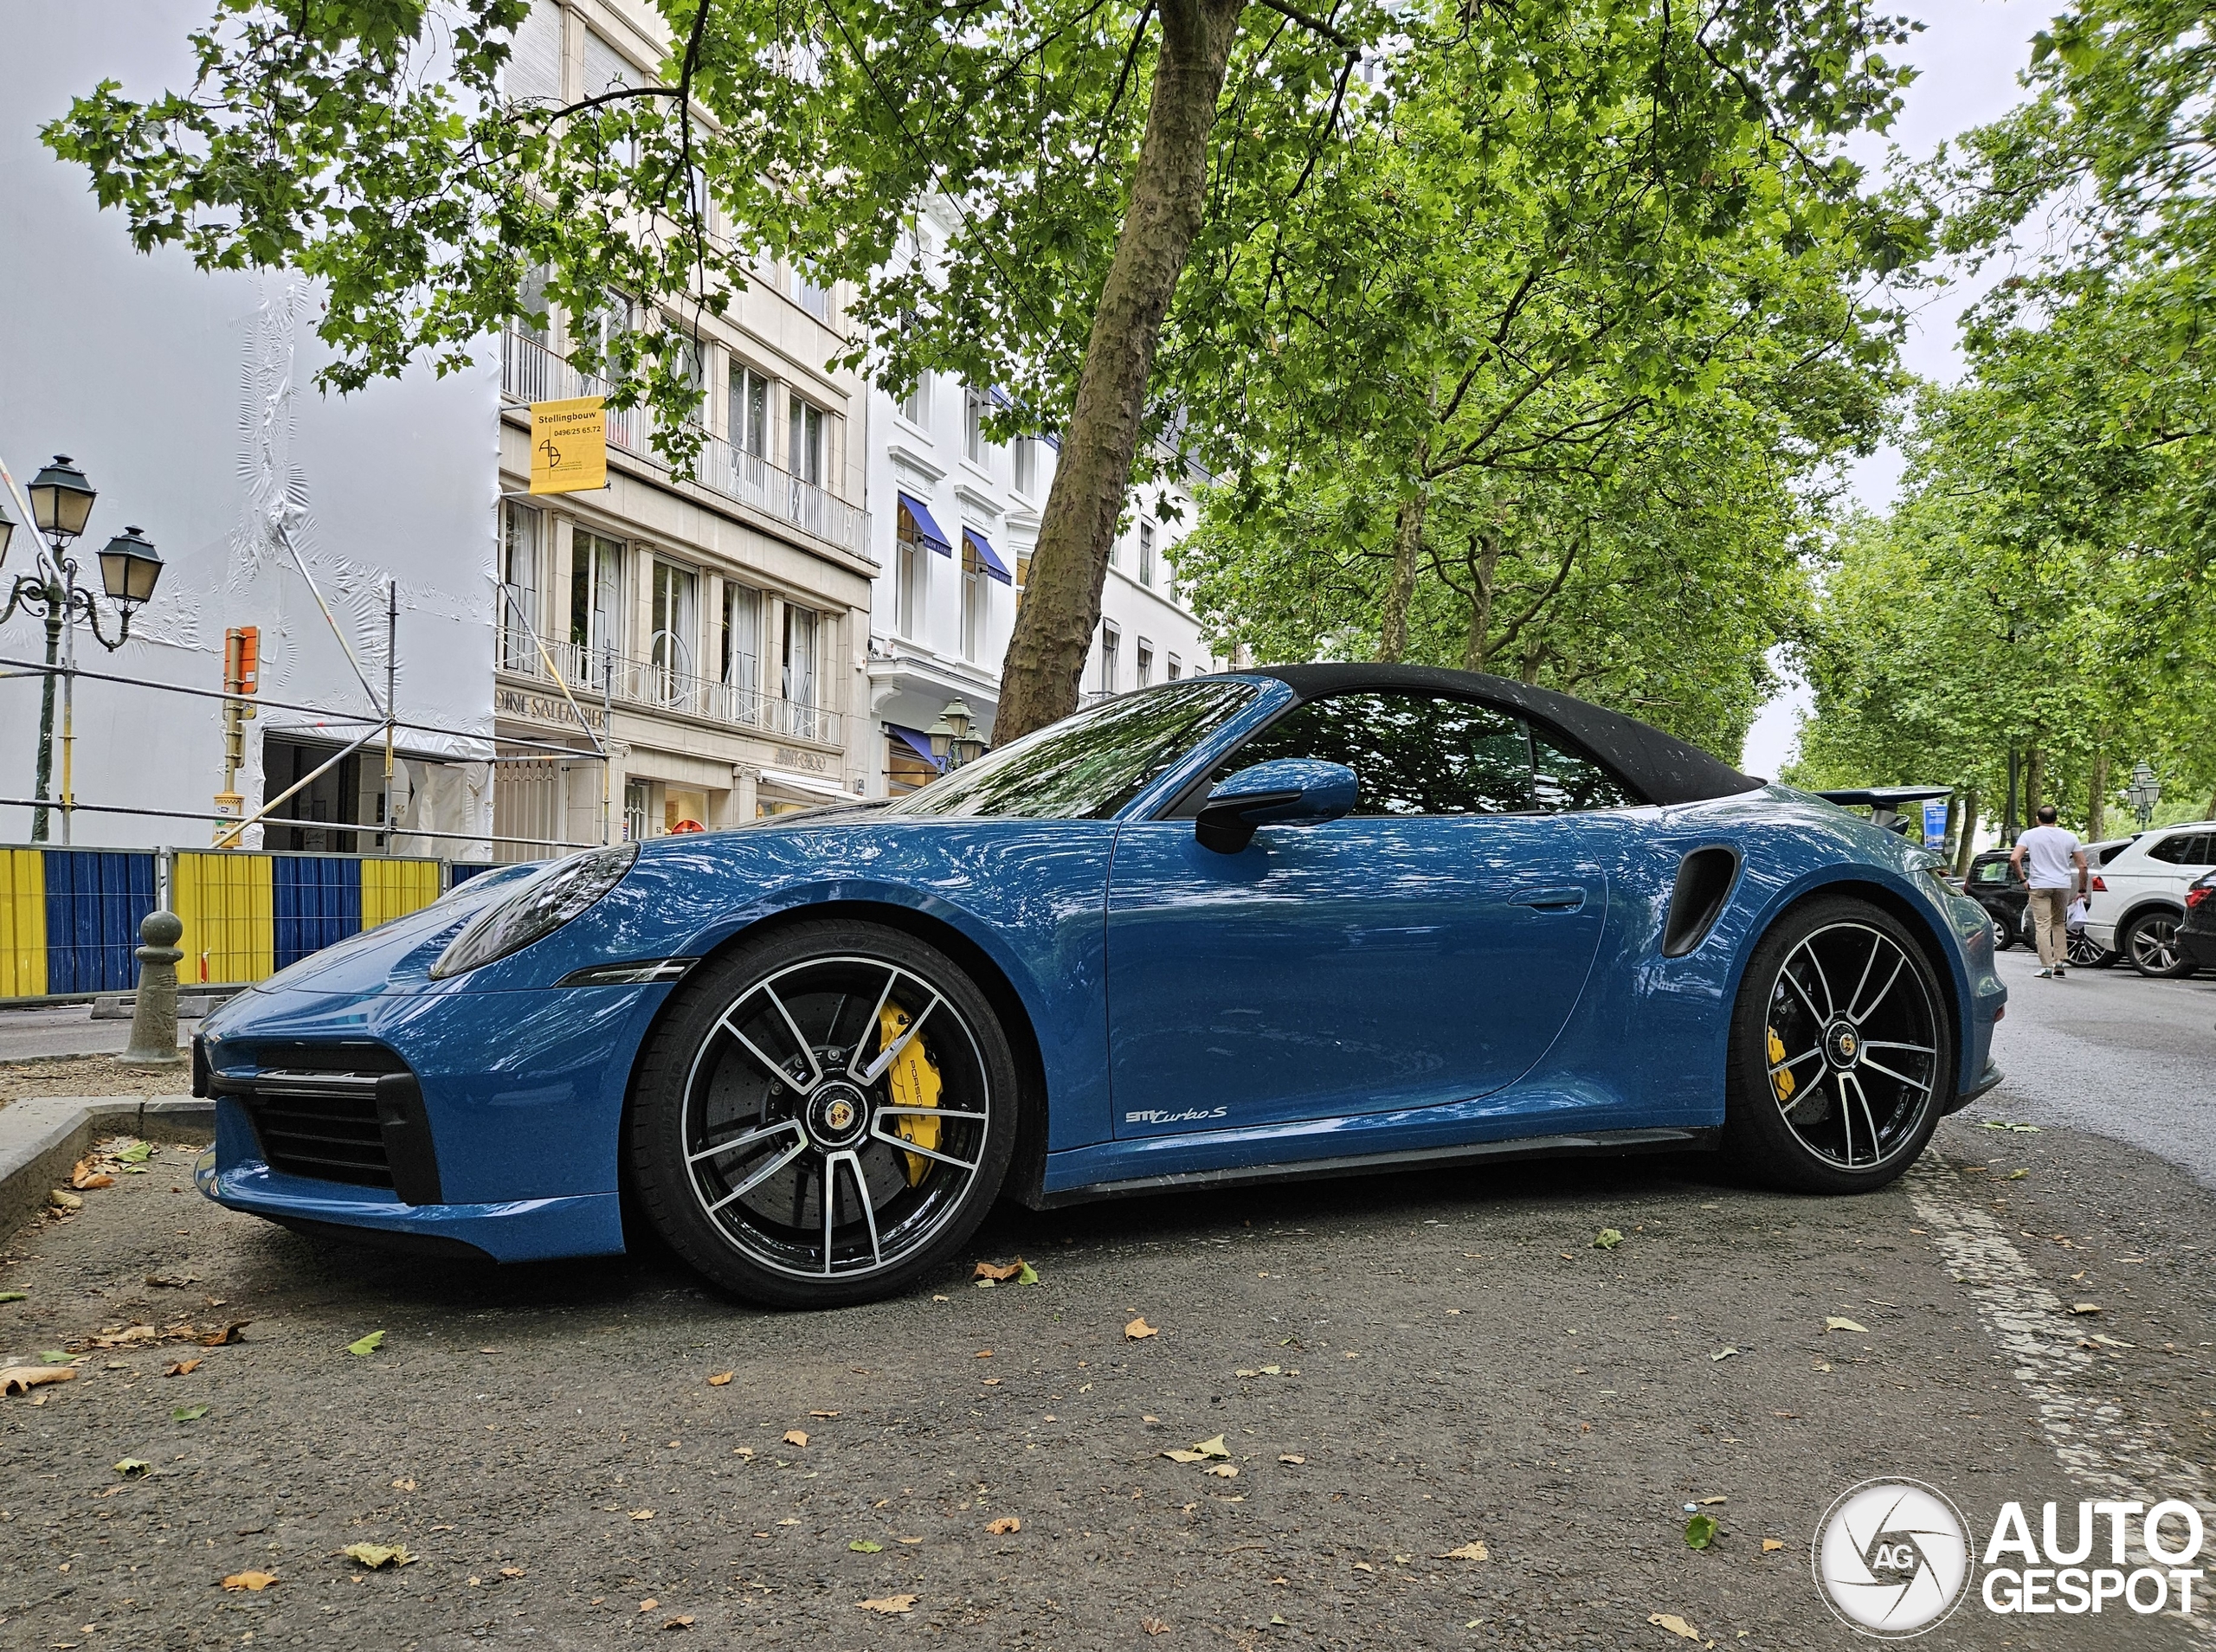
(2138, 898)
(2197, 934)
(1993, 884)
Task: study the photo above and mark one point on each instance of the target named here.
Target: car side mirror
(1285, 791)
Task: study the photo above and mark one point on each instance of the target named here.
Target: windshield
(1088, 766)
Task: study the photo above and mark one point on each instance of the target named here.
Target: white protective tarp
(188, 400)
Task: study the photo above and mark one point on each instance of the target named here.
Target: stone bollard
(153, 1012)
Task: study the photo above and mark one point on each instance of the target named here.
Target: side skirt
(1536, 1146)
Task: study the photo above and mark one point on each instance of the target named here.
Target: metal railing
(532, 372)
(661, 686)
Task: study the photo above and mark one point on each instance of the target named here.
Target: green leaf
(1027, 1275)
(136, 1153)
(15, 1296)
(368, 1345)
(863, 1546)
(1700, 1532)
(1607, 1239)
(188, 1413)
(57, 1357)
(132, 1468)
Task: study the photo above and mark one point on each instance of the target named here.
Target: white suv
(2138, 898)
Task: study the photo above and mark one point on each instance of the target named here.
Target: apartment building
(955, 517)
(709, 633)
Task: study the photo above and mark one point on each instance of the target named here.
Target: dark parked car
(2197, 935)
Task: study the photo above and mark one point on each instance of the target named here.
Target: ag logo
(1892, 1558)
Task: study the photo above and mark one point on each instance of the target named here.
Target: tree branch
(1314, 25)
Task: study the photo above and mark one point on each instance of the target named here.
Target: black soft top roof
(1660, 767)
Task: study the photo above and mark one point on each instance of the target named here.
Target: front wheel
(2151, 941)
(1842, 1053)
(825, 1117)
(2003, 937)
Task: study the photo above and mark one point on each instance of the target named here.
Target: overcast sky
(1969, 55)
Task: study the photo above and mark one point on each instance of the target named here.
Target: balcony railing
(531, 372)
(661, 687)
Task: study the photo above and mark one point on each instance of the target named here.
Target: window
(519, 528)
(2186, 849)
(595, 602)
(530, 296)
(1146, 552)
(740, 666)
(817, 300)
(1111, 639)
(606, 70)
(1143, 660)
(1086, 767)
(805, 445)
(916, 406)
(1426, 753)
(534, 70)
(750, 411)
(802, 626)
(973, 426)
(1992, 872)
(973, 600)
(634, 811)
(601, 333)
(669, 649)
(1027, 466)
(911, 576)
(1175, 670)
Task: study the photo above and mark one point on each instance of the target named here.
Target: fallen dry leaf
(648, 1603)
(404, 1485)
(823, 1413)
(1838, 1324)
(62, 1200)
(997, 1271)
(890, 1604)
(1222, 1470)
(1711, 1502)
(256, 1581)
(21, 1379)
(1153, 1626)
(683, 1621)
(992, 1382)
(377, 1556)
(1291, 1457)
(721, 1379)
(2085, 1308)
(85, 1178)
(228, 1334)
(1138, 1330)
(795, 1437)
(1772, 1544)
(1674, 1624)
(1003, 1525)
(183, 1367)
(511, 1571)
(172, 1282)
(1474, 1550)
(642, 1514)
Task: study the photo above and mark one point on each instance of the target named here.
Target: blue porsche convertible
(1304, 921)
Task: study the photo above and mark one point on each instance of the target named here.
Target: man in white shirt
(2048, 859)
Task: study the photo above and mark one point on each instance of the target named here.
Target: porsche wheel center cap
(1843, 1045)
(837, 1115)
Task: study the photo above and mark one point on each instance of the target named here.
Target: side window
(2199, 850)
(1992, 872)
(2172, 850)
(1416, 754)
(1569, 780)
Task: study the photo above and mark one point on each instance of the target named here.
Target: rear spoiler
(1886, 802)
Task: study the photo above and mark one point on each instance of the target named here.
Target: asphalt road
(67, 1030)
(1455, 1361)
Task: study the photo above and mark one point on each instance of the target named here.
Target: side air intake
(1703, 884)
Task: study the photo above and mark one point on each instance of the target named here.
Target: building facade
(955, 517)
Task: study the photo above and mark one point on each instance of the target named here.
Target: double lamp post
(61, 501)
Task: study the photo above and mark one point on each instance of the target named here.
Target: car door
(1425, 950)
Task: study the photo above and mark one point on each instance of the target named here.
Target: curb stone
(43, 1138)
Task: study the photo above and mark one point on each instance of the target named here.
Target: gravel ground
(20, 1080)
(1456, 1362)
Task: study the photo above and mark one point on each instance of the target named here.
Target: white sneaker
(2045, 974)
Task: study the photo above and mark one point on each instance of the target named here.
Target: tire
(2004, 936)
(2149, 940)
(772, 1075)
(2087, 953)
(1835, 1082)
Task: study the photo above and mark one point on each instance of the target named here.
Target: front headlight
(540, 905)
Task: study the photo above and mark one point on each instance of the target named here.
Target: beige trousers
(2050, 919)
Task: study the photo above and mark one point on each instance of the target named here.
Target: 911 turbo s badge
(1155, 1116)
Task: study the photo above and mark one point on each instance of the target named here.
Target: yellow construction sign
(569, 445)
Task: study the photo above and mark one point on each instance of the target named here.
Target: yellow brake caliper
(913, 1082)
(1780, 1081)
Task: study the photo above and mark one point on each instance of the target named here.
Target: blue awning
(994, 566)
(919, 744)
(926, 530)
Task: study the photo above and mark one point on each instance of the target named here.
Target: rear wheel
(2149, 939)
(2085, 952)
(2003, 936)
(1842, 1052)
(823, 1118)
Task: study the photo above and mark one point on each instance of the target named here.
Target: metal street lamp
(2145, 792)
(7, 529)
(951, 741)
(61, 502)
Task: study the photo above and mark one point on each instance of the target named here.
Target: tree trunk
(1477, 653)
(1407, 543)
(1966, 845)
(1061, 599)
(2034, 777)
(2096, 799)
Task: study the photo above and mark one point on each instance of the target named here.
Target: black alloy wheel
(825, 1117)
(1842, 1055)
(2149, 939)
(2085, 952)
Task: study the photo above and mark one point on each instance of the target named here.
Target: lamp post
(952, 744)
(2145, 792)
(61, 501)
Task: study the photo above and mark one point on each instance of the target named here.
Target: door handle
(1551, 900)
